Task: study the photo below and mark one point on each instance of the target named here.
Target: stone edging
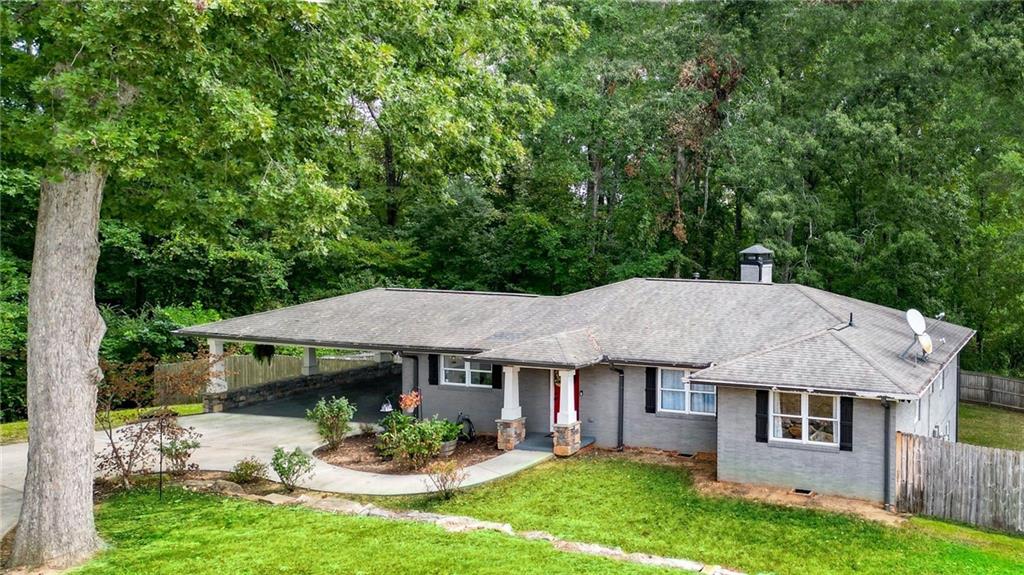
(458, 524)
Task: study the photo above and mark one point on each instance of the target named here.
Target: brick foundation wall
(282, 388)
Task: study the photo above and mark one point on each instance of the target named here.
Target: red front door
(556, 396)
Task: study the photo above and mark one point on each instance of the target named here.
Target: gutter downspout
(886, 460)
(622, 401)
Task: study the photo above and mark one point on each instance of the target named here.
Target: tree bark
(56, 525)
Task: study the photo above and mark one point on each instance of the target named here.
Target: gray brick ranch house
(789, 385)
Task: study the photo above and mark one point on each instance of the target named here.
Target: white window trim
(804, 427)
(686, 391)
(467, 374)
(917, 412)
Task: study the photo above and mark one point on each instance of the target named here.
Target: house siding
(481, 404)
(857, 473)
(671, 431)
(938, 406)
(535, 399)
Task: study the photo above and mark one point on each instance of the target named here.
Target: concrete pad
(230, 436)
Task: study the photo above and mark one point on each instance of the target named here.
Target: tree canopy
(301, 151)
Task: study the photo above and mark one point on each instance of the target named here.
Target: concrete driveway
(256, 431)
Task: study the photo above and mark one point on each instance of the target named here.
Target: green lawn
(17, 431)
(197, 534)
(653, 508)
(991, 426)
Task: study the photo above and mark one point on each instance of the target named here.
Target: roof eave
(312, 342)
(806, 388)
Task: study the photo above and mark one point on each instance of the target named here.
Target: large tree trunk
(64, 331)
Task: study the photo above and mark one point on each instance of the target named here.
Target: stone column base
(567, 438)
(511, 432)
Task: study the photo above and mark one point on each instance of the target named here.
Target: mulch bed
(358, 453)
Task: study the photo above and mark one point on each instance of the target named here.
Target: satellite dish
(926, 342)
(916, 321)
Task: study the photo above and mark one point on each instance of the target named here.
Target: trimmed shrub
(420, 442)
(332, 419)
(248, 470)
(291, 467)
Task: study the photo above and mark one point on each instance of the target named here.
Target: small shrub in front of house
(291, 467)
(419, 442)
(446, 475)
(248, 470)
(332, 419)
(388, 440)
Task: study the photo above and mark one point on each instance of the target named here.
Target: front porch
(543, 442)
(566, 437)
(530, 408)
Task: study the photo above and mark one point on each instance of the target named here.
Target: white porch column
(510, 385)
(567, 397)
(217, 382)
(309, 364)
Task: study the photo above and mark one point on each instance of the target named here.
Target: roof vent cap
(756, 264)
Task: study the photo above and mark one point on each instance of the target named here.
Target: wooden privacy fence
(246, 371)
(982, 486)
(992, 389)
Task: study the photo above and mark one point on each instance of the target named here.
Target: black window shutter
(650, 402)
(433, 368)
(846, 424)
(496, 374)
(761, 431)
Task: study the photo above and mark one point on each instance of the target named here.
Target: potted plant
(410, 401)
(449, 433)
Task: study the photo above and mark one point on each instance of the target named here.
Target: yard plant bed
(358, 452)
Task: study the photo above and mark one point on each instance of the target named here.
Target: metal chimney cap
(757, 249)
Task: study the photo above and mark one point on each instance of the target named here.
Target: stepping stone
(279, 499)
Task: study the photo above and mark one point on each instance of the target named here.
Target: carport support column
(309, 364)
(567, 427)
(512, 425)
(217, 383)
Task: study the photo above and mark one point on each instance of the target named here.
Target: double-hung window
(677, 395)
(805, 417)
(457, 371)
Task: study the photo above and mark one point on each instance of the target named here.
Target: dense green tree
(216, 136)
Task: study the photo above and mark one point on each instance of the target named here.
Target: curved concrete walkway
(228, 437)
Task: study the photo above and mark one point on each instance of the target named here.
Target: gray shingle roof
(751, 333)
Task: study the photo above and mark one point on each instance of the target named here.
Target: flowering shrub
(332, 419)
(291, 467)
